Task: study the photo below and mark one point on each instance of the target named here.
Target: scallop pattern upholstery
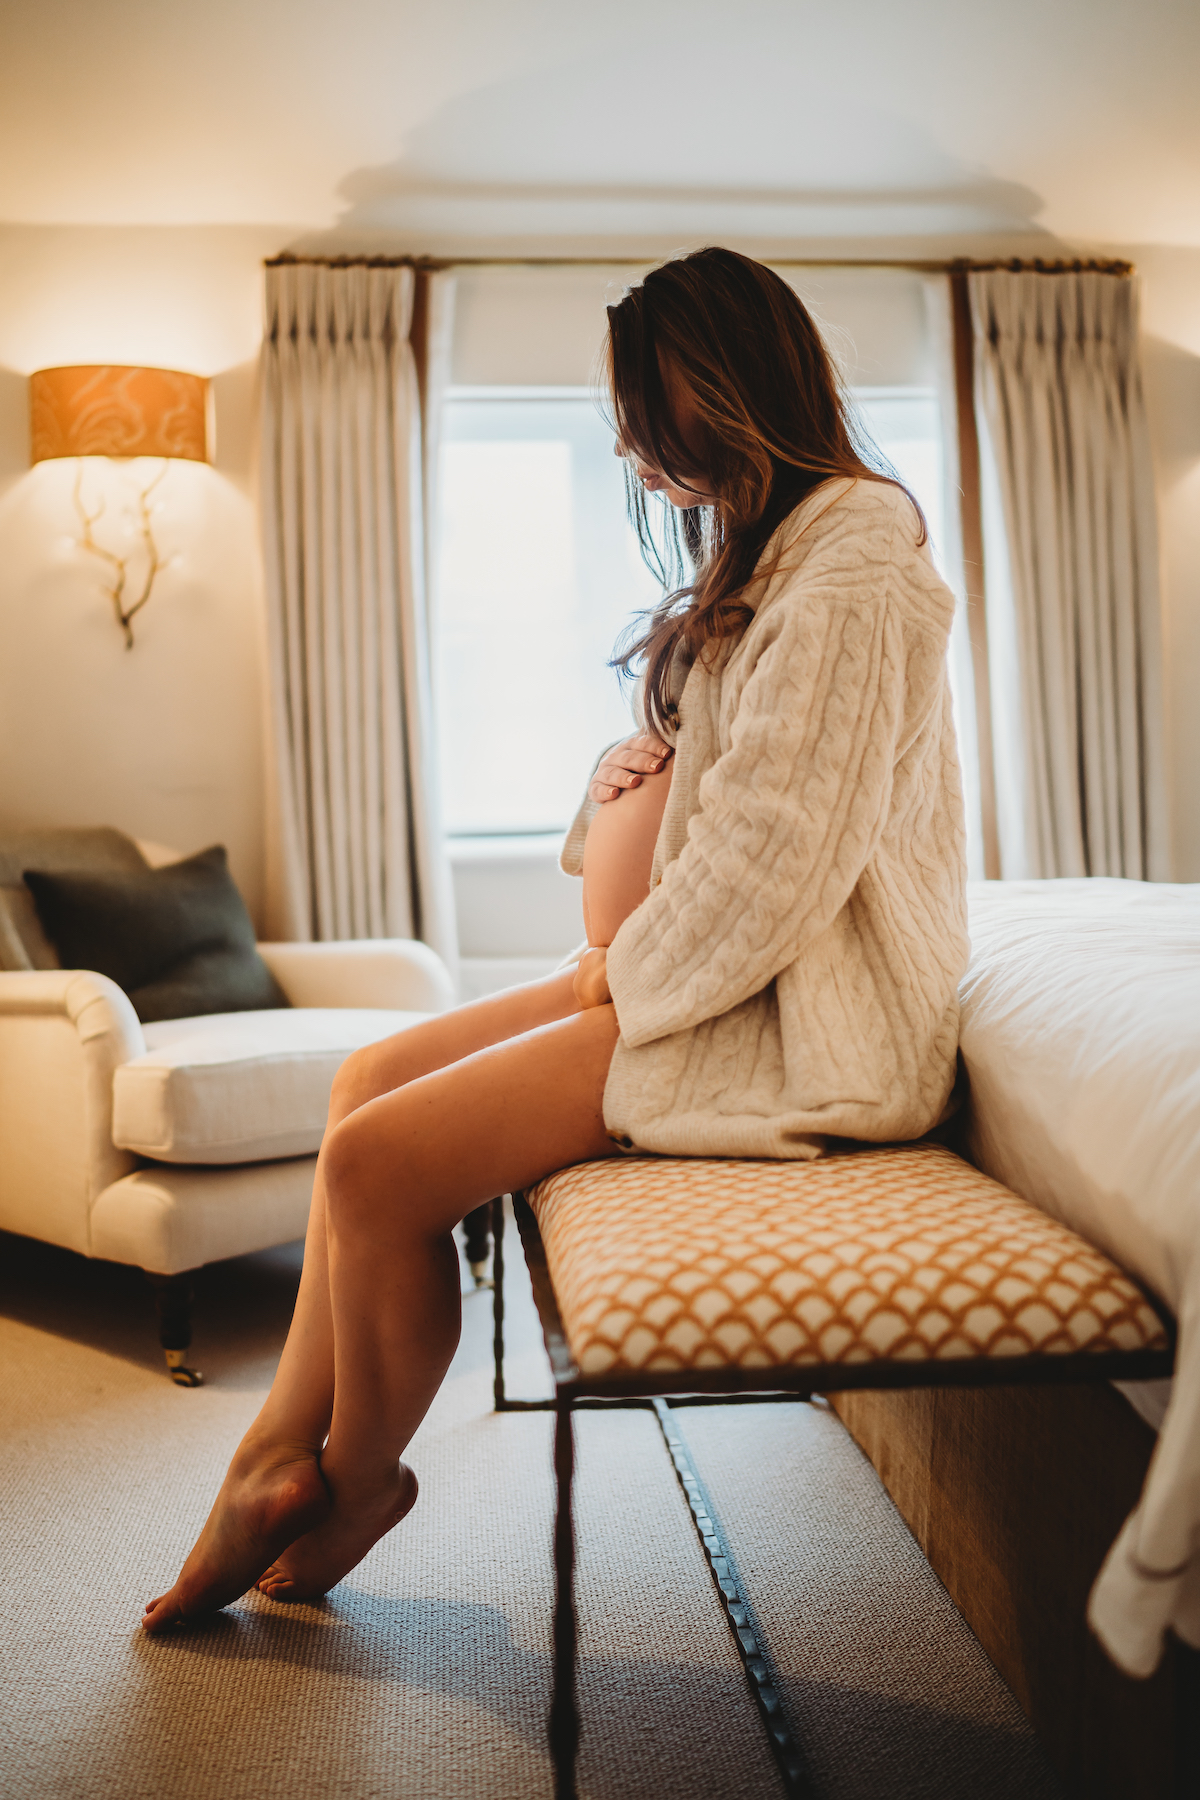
(875, 1255)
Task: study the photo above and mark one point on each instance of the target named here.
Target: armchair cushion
(177, 939)
(87, 850)
(397, 973)
(240, 1087)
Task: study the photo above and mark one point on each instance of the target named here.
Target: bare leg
(400, 1172)
(299, 1407)
(274, 1490)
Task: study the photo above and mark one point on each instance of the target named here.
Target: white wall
(164, 740)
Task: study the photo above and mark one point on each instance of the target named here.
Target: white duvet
(1081, 1034)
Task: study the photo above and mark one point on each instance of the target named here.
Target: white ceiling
(775, 118)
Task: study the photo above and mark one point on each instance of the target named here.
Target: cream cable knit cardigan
(794, 972)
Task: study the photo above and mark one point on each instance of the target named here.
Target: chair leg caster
(181, 1375)
(173, 1304)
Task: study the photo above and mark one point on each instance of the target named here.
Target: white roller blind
(542, 327)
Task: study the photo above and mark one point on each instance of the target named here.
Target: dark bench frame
(660, 1393)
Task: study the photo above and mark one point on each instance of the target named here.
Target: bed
(1081, 1039)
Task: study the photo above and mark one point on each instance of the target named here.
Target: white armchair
(179, 1143)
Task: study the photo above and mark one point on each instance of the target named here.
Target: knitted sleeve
(790, 814)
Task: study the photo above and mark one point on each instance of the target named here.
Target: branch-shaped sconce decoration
(119, 413)
(119, 565)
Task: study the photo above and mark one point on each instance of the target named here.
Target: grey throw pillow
(177, 939)
(13, 954)
(61, 850)
(23, 941)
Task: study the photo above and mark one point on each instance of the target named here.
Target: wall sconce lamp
(102, 410)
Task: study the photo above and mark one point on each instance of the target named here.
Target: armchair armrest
(63, 1033)
(370, 972)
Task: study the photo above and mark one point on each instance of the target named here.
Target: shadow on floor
(110, 1306)
(872, 1745)
(464, 1653)
(241, 1313)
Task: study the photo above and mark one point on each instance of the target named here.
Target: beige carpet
(884, 1685)
(427, 1672)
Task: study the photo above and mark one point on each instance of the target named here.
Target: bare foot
(267, 1499)
(315, 1563)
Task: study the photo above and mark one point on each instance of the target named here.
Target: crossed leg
(422, 1128)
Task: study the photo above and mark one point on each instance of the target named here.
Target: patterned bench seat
(895, 1256)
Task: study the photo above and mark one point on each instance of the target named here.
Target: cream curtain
(1072, 575)
(345, 504)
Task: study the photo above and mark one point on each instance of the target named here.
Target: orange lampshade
(104, 410)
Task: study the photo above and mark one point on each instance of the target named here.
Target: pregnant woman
(773, 891)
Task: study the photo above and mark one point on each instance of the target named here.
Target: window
(906, 424)
(539, 574)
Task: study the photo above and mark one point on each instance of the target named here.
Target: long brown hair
(718, 377)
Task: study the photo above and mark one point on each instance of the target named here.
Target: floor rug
(426, 1673)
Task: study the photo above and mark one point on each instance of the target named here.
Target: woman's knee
(346, 1164)
(363, 1182)
(350, 1085)
(364, 1075)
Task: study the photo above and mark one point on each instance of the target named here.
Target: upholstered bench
(893, 1267)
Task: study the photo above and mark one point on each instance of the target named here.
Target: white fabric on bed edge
(1081, 1034)
(1149, 1399)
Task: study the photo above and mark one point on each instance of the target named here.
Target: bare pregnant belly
(619, 853)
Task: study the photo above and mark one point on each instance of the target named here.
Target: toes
(276, 1585)
(160, 1612)
(274, 1582)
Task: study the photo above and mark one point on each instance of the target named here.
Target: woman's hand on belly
(625, 764)
(619, 854)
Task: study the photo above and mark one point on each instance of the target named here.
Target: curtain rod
(958, 265)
